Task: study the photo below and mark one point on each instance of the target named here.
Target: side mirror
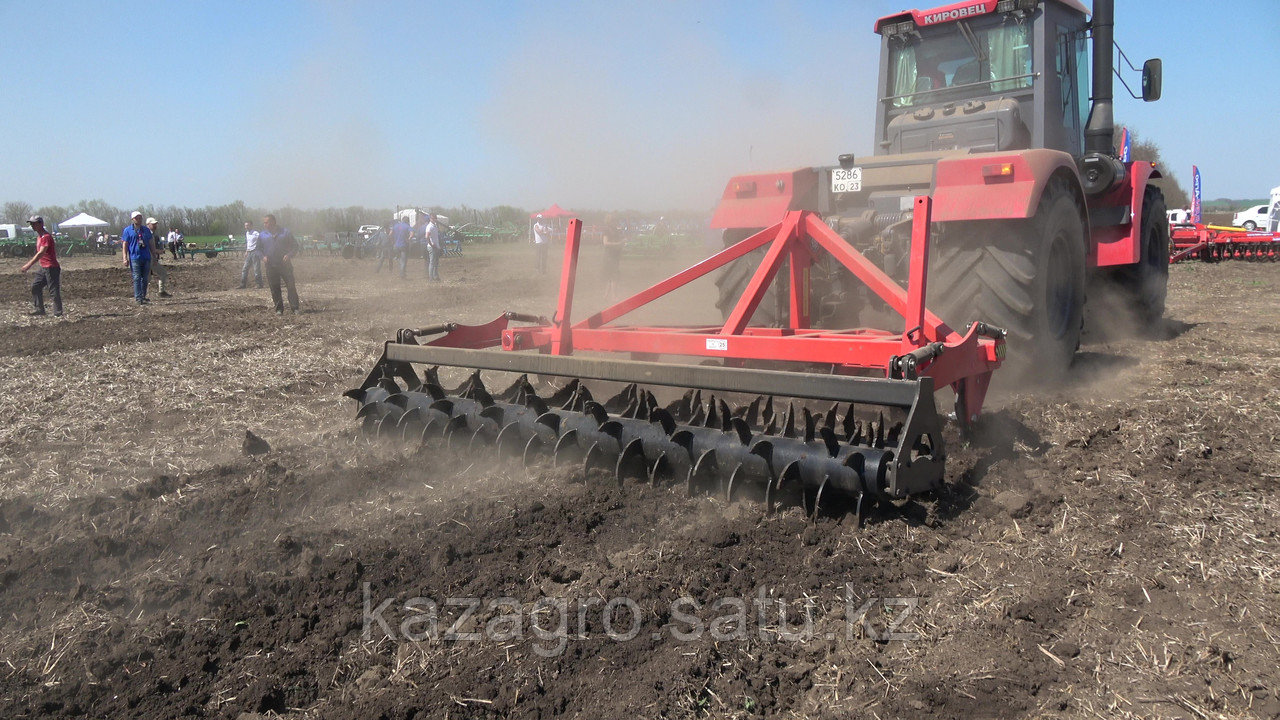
(1151, 79)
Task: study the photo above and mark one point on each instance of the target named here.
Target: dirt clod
(1017, 504)
(254, 445)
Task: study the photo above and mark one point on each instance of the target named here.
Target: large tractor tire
(1145, 285)
(733, 279)
(1025, 276)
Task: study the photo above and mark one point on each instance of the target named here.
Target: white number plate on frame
(846, 181)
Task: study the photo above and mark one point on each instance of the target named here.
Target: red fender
(995, 186)
(758, 201)
(1121, 244)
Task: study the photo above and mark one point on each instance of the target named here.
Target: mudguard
(995, 186)
(760, 200)
(1120, 244)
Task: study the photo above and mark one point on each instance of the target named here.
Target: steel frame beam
(834, 388)
(927, 348)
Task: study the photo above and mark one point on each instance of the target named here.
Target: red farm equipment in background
(1212, 243)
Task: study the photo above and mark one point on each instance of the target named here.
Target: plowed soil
(1107, 547)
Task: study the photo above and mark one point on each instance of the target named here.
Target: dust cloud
(312, 144)
(648, 108)
(596, 131)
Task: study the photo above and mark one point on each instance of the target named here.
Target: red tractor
(987, 106)
(986, 171)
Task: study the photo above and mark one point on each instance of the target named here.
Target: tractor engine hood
(975, 125)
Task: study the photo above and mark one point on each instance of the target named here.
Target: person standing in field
(541, 244)
(137, 247)
(50, 273)
(278, 248)
(179, 241)
(434, 247)
(158, 267)
(382, 241)
(399, 246)
(252, 258)
(613, 241)
(419, 235)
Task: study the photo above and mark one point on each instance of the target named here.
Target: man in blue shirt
(400, 232)
(278, 247)
(137, 246)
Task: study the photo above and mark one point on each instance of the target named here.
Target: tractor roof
(959, 11)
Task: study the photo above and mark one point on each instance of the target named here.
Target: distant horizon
(674, 212)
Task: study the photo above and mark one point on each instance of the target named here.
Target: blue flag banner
(1195, 194)
(1124, 145)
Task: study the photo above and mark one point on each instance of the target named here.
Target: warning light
(998, 171)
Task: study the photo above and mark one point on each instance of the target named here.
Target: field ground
(1108, 549)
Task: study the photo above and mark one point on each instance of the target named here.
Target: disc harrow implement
(1213, 243)
(761, 448)
(822, 435)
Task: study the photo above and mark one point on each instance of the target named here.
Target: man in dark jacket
(278, 247)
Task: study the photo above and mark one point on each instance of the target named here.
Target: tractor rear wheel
(733, 279)
(1146, 284)
(1026, 276)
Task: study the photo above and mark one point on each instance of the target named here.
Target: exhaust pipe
(1100, 169)
(1099, 133)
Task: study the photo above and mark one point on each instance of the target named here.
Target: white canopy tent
(83, 220)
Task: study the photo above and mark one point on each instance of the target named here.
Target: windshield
(959, 60)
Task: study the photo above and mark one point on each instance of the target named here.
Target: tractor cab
(984, 76)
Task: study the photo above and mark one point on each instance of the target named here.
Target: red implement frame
(1211, 244)
(927, 347)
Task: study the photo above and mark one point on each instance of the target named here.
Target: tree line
(1174, 194)
(229, 219)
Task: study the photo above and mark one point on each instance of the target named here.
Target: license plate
(846, 181)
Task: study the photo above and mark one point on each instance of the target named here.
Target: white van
(1253, 218)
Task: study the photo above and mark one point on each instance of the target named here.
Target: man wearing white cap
(157, 264)
(541, 244)
(137, 246)
(433, 247)
(252, 257)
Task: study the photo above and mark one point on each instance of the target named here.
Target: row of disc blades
(826, 459)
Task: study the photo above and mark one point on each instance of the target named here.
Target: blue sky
(592, 105)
